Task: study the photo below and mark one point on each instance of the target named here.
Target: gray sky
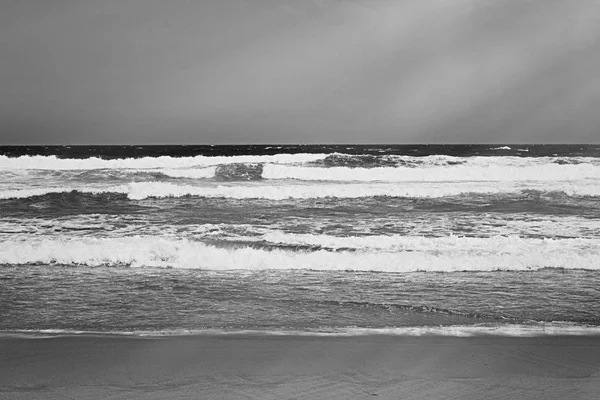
(299, 71)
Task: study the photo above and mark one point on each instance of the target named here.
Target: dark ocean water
(176, 239)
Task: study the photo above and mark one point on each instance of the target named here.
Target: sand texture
(246, 367)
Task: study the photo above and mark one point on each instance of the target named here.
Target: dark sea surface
(159, 240)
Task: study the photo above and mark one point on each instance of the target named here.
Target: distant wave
(311, 160)
(459, 254)
(54, 163)
(547, 172)
(297, 167)
(373, 161)
(556, 171)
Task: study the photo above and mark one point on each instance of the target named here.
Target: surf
(407, 255)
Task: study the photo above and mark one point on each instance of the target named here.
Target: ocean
(311, 239)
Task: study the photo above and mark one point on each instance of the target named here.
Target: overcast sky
(299, 71)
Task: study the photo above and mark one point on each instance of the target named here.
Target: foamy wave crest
(546, 172)
(140, 191)
(498, 244)
(54, 163)
(371, 161)
(144, 190)
(165, 253)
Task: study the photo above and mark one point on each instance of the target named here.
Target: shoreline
(507, 330)
(300, 367)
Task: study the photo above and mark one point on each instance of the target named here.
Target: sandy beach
(291, 367)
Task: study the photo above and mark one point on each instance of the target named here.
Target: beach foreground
(300, 367)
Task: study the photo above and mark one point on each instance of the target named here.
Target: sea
(305, 239)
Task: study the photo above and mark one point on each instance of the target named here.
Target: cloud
(288, 71)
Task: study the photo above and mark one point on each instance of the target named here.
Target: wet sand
(292, 367)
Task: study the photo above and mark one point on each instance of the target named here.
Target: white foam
(544, 172)
(166, 162)
(54, 163)
(144, 190)
(295, 191)
(485, 172)
(439, 245)
(459, 254)
(299, 191)
(502, 330)
(510, 330)
(502, 148)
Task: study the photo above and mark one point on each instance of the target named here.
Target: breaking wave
(545, 172)
(558, 170)
(373, 161)
(144, 190)
(499, 244)
(55, 163)
(458, 254)
(239, 172)
(309, 167)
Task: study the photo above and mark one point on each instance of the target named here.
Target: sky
(299, 71)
